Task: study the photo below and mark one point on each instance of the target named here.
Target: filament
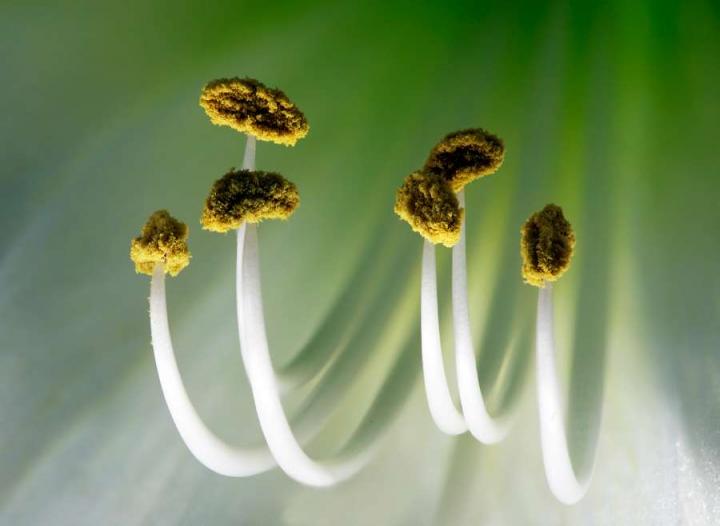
(248, 164)
(442, 408)
(249, 156)
(205, 446)
(561, 477)
(258, 365)
(479, 422)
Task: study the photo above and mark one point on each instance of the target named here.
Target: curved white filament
(248, 164)
(482, 426)
(442, 408)
(249, 155)
(558, 467)
(206, 447)
(256, 357)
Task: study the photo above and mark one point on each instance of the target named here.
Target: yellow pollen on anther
(430, 207)
(248, 106)
(547, 244)
(248, 196)
(163, 240)
(466, 155)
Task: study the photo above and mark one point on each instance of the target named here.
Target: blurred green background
(608, 109)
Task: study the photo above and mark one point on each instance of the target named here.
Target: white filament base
(483, 427)
(258, 365)
(559, 472)
(442, 408)
(206, 447)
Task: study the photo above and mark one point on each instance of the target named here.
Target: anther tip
(428, 204)
(162, 240)
(248, 106)
(248, 196)
(547, 244)
(466, 155)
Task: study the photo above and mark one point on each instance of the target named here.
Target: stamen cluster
(427, 201)
(240, 196)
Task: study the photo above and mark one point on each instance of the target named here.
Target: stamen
(547, 246)
(426, 200)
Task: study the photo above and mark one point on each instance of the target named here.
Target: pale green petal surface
(610, 110)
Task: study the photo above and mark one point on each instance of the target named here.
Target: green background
(608, 109)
